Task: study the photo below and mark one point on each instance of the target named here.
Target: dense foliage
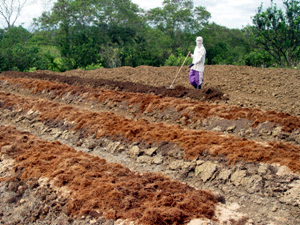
(278, 33)
(111, 33)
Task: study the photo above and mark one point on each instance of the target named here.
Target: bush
(258, 58)
(177, 61)
(19, 57)
(93, 66)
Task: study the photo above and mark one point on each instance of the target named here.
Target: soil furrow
(144, 151)
(268, 89)
(257, 180)
(194, 143)
(197, 115)
(110, 189)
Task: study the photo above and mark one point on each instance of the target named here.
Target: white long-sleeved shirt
(199, 58)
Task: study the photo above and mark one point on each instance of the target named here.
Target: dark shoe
(199, 86)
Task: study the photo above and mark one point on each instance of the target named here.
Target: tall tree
(224, 45)
(278, 32)
(177, 17)
(86, 29)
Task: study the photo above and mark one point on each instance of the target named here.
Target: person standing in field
(197, 67)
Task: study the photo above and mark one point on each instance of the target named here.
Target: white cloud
(233, 13)
(229, 13)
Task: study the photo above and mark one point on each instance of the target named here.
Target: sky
(228, 13)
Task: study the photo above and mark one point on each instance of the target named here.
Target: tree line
(112, 33)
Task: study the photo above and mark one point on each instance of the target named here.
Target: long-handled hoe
(171, 86)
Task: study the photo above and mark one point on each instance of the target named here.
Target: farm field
(117, 146)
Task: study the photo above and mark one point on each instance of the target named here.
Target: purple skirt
(195, 77)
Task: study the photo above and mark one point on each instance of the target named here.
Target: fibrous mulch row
(194, 143)
(95, 187)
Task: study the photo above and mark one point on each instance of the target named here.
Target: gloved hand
(191, 65)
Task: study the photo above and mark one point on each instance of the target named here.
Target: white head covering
(199, 41)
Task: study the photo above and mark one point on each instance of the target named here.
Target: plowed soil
(120, 146)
